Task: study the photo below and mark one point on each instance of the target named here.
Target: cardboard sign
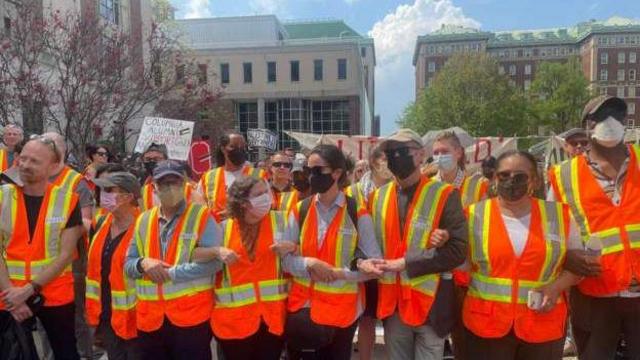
(175, 134)
(262, 138)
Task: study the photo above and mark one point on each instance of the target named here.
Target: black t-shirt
(33, 204)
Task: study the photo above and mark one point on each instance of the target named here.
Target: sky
(395, 24)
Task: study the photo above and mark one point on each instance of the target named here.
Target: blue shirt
(211, 236)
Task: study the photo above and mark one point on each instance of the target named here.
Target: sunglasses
(318, 170)
(518, 177)
(45, 140)
(286, 165)
(102, 153)
(574, 143)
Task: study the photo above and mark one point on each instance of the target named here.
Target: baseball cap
(168, 167)
(600, 107)
(402, 135)
(122, 179)
(161, 148)
(299, 164)
(573, 132)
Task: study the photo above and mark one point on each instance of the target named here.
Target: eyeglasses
(399, 152)
(518, 177)
(318, 170)
(102, 153)
(278, 164)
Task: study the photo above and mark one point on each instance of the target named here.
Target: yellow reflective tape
(548, 246)
(485, 234)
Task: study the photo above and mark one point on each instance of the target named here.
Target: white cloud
(268, 6)
(197, 9)
(395, 39)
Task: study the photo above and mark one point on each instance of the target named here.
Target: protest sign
(262, 138)
(175, 134)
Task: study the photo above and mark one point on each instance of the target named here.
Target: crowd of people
(290, 257)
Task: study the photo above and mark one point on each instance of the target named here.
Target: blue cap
(168, 167)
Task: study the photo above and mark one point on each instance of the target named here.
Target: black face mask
(149, 166)
(321, 183)
(511, 190)
(301, 185)
(237, 156)
(401, 166)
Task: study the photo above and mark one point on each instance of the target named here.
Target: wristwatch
(139, 266)
(37, 288)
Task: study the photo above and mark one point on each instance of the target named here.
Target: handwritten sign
(175, 134)
(262, 138)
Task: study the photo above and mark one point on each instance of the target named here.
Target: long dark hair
(335, 158)
(223, 141)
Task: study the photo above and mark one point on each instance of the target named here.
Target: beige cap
(403, 136)
(599, 102)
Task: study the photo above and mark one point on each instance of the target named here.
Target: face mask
(301, 185)
(237, 156)
(260, 205)
(149, 166)
(444, 161)
(402, 166)
(321, 183)
(108, 201)
(609, 132)
(512, 191)
(170, 196)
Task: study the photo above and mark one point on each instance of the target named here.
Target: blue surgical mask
(445, 162)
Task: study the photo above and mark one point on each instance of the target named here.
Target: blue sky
(395, 24)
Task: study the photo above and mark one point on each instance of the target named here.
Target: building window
(342, 69)
(271, 71)
(620, 91)
(527, 69)
(620, 75)
(431, 66)
(631, 108)
(632, 58)
(295, 70)
(110, 10)
(604, 75)
(602, 90)
(224, 73)
(293, 114)
(527, 84)
(248, 73)
(632, 91)
(512, 70)
(632, 75)
(247, 116)
(317, 70)
(621, 57)
(330, 117)
(604, 58)
(202, 74)
(180, 74)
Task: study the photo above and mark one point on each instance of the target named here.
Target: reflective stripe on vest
(287, 200)
(186, 242)
(58, 209)
(486, 287)
(68, 178)
(230, 296)
(4, 159)
(471, 190)
(213, 180)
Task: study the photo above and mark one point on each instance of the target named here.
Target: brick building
(608, 50)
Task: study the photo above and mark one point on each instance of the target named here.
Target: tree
(92, 75)
(559, 91)
(469, 92)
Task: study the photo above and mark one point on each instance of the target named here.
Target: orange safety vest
(500, 281)
(617, 227)
(68, 178)
(251, 291)
(214, 188)
(186, 303)
(28, 255)
(4, 160)
(123, 292)
(97, 215)
(355, 191)
(335, 303)
(149, 200)
(413, 297)
(285, 201)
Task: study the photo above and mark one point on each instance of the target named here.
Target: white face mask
(445, 162)
(260, 205)
(608, 133)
